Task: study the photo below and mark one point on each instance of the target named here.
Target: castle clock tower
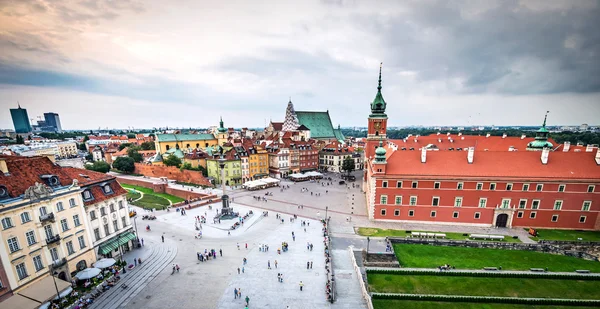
(377, 122)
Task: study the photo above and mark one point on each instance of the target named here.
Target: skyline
(140, 64)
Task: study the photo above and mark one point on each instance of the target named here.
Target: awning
(18, 301)
(114, 243)
(44, 290)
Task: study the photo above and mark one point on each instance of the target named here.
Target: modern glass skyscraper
(52, 120)
(20, 120)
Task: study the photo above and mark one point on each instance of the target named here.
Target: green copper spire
(541, 138)
(380, 153)
(221, 127)
(378, 105)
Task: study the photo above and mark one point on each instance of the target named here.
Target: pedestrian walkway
(155, 257)
(466, 272)
(348, 293)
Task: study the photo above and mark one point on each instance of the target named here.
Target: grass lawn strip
(477, 286)
(428, 256)
(375, 232)
(411, 304)
(152, 201)
(133, 195)
(174, 199)
(568, 235)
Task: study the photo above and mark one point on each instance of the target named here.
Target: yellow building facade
(185, 142)
(258, 162)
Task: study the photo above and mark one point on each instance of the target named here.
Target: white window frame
(398, 200)
(433, 214)
(64, 225)
(460, 185)
(533, 215)
(539, 185)
(59, 207)
(589, 205)
(592, 187)
(484, 200)
(25, 217)
(533, 206)
(7, 223)
(458, 201)
(479, 186)
(525, 187)
(558, 203)
(72, 203)
(396, 212)
(477, 216)
(563, 186)
(493, 186)
(81, 241)
(411, 201)
(433, 201)
(520, 214)
(30, 236)
(399, 184)
(438, 184)
(525, 204)
(584, 219)
(384, 184)
(455, 214)
(411, 213)
(552, 218)
(509, 186)
(38, 264)
(414, 185)
(383, 212)
(383, 200)
(70, 248)
(13, 244)
(21, 270)
(76, 221)
(505, 204)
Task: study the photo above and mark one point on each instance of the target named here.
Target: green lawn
(569, 235)
(427, 256)
(412, 304)
(174, 199)
(133, 195)
(152, 201)
(375, 232)
(481, 286)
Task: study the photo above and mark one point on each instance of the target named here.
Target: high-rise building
(53, 120)
(20, 120)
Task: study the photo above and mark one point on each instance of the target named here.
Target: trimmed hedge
(491, 274)
(488, 299)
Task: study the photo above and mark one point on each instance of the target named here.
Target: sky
(154, 63)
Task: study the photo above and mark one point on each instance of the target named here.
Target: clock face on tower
(378, 125)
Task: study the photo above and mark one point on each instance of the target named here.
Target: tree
(89, 157)
(99, 166)
(172, 160)
(148, 146)
(20, 140)
(133, 152)
(124, 164)
(130, 135)
(124, 145)
(348, 165)
(82, 147)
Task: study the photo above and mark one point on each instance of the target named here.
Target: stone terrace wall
(163, 188)
(547, 248)
(172, 172)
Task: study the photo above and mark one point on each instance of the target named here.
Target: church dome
(380, 151)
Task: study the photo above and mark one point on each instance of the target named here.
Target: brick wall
(172, 172)
(163, 188)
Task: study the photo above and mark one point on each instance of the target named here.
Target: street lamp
(121, 252)
(135, 225)
(326, 208)
(368, 243)
(53, 273)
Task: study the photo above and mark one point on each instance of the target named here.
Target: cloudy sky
(151, 63)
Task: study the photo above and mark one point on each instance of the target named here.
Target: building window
(7, 223)
(70, 249)
(21, 271)
(48, 230)
(106, 230)
(520, 214)
(59, 206)
(102, 211)
(554, 218)
(479, 186)
(586, 205)
(582, 219)
(383, 199)
(532, 215)
(458, 202)
(558, 205)
(525, 187)
(539, 187)
(72, 202)
(492, 186)
(477, 215)
(25, 217)
(121, 205)
(64, 225)
(116, 225)
(112, 207)
(433, 213)
(384, 184)
(81, 240)
(123, 221)
(561, 188)
(482, 202)
(591, 189)
(383, 212)
(455, 214)
(509, 186)
(30, 238)
(93, 215)
(415, 184)
(87, 195)
(396, 212)
(535, 204)
(459, 186)
(399, 184)
(43, 211)
(97, 234)
(435, 201)
(37, 262)
(505, 203)
(76, 220)
(13, 244)
(522, 204)
(398, 200)
(413, 201)
(411, 213)
(436, 185)
(54, 254)
(107, 189)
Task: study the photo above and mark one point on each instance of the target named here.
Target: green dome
(540, 144)
(380, 151)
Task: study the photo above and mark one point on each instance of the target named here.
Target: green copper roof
(543, 128)
(221, 128)
(540, 144)
(338, 134)
(319, 124)
(380, 153)
(176, 152)
(183, 137)
(378, 105)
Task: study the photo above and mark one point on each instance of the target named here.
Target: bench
(490, 268)
(582, 271)
(537, 269)
(428, 235)
(486, 236)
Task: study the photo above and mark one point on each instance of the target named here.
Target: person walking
(246, 246)
(310, 264)
(142, 242)
(238, 270)
(245, 261)
(221, 252)
(269, 264)
(307, 265)
(275, 263)
(235, 293)
(161, 236)
(238, 245)
(242, 269)
(239, 292)
(301, 285)
(247, 301)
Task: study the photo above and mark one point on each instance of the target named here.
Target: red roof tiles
(480, 142)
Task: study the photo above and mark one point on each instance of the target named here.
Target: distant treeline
(573, 137)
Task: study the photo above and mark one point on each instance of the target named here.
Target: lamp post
(135, 225)
(368, 242)
(53, 273)
(326, 219)
(121, 252)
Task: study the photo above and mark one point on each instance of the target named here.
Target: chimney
(415, 140)
(448, 133)
(511, 148)
(545, 154)
(423, 155)
(470, 155)
(462, 137)
(438, 133)
(503, 135)
(439, 140)
(589, 148)
(523, 136)
(459, 133)
(3, 166)
(567, 146)
(487, 135)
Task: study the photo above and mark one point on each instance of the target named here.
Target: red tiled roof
(278, 126)
(495, 164)
(480, 142)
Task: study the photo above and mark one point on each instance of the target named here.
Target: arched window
(168, 147)
(376, 133)
(187, 146)
(197, 145)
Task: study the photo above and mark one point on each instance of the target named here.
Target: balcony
(58, 263)
(53, 239)
(47, 217)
